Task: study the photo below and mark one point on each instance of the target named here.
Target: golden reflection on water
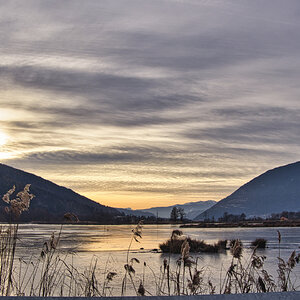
(118, 238)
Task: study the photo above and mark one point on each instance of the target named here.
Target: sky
(149, 103)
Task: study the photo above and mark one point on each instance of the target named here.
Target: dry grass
(174, 245)
(259, 243)
(129, 266)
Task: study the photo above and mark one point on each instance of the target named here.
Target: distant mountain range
(274, 191)
(191, 209)
(135, 212)
(51, 201)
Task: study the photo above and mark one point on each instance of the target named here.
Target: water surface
(109, 245)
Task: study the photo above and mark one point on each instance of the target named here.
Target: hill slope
(274, 191)
(51, 201)
(192, 209)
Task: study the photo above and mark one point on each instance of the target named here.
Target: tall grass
(129, 266)
(8, 239)
(244, 275)
(8, 236)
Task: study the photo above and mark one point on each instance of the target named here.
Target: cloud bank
(169, 101)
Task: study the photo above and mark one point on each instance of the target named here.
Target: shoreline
(243, 224)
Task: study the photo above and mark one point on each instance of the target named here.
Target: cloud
(99, 98)
(69, 157)
(252, 126)
(157, 89)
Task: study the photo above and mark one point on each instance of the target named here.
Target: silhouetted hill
(51, 201)
(274, 191)
(192, 209)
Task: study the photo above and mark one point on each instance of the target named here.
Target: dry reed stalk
(9, 236)
(129, 270)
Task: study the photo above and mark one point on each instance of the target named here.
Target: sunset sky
(148, 103)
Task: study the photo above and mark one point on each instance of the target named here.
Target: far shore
(267, 223)
(250, 224)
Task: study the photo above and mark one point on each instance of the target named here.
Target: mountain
(192, 209)
(135, 212)
(51, 201)
(274, 191)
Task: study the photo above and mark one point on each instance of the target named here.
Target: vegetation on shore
(246, 224)
(283, 219)
(259, 243)
(174, 245)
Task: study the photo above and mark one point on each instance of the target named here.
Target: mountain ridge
(191, 209)
(135, 212)
(51, 200)
(263, 195)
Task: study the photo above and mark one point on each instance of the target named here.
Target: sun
(3, 138)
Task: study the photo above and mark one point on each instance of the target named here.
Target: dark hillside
(51, 201)
(274, 191)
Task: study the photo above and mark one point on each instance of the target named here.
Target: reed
(8, 236)
(129, 266)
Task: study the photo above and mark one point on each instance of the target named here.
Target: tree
(242, 217)
(174, 214)
(181, 213)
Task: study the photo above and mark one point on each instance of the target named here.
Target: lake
(109, 244)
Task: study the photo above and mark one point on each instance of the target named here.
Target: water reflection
(96, 238)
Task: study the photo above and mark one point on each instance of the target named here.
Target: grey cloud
(32, 126)
(254, 133)
(225, 95)
(262, 111)
(175, 190)
(148, 187)
(252, 125)
(71, 157)
(96, 115)
(122, 154)
(72, 81)
(208, 173)
(167, 156)
(100, 94)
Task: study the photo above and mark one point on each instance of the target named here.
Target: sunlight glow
(4, 155)
(3, 138)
